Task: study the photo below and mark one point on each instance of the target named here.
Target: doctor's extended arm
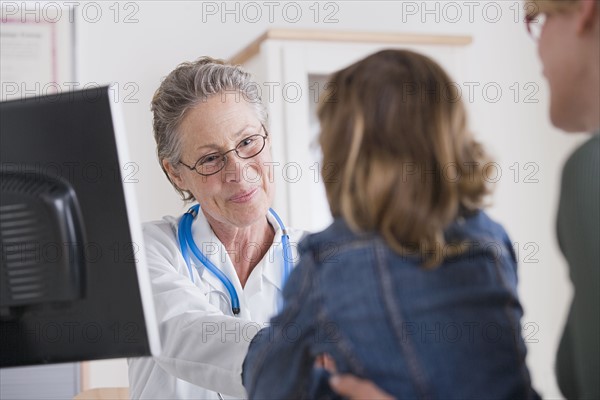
(199, 343)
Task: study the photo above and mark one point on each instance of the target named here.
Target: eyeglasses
(535, 24)
(212, 163)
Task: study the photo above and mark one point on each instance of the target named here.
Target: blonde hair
(392, 125)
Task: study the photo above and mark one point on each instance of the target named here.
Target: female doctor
(218, 270)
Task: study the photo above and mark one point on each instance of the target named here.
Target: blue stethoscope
(186, 241)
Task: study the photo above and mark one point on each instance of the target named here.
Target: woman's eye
(209, 158)
(246, 142)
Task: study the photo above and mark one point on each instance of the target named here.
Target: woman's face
(563, 68)
(241, 193)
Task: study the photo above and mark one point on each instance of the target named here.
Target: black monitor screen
(72, 273)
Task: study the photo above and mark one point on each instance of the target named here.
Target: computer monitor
(73, 276)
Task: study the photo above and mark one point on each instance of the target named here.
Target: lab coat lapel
(211, 246)
(272, 263)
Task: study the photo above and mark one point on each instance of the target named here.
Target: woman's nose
(232, 172)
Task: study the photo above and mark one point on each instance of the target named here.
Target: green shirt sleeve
(578, 229)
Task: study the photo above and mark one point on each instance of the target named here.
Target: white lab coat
(203, 344)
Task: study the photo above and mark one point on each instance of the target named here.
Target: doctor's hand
(356, 389)
(350, 386)
(325, 361)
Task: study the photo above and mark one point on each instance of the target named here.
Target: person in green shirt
(569, 48)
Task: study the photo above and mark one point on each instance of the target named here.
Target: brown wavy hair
(397, 156)
(534, 7)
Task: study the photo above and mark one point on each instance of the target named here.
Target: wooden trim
(346, 36)
(109, 393)
(249, 51)
(85, 375)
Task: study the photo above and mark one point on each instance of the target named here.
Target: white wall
(167, 33)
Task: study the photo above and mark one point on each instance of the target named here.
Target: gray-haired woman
(217, 272)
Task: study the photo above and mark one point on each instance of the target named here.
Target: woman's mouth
(244, 196)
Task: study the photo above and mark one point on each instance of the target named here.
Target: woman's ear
(587, 16)
(174, 174)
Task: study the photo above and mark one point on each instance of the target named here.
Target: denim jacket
(445, 333)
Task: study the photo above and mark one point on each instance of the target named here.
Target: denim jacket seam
(519, 354)
(356, 244)
(343, 344)
(292, 313)
(322, 316)
(395, 316)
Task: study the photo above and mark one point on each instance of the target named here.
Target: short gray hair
(185, 87)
